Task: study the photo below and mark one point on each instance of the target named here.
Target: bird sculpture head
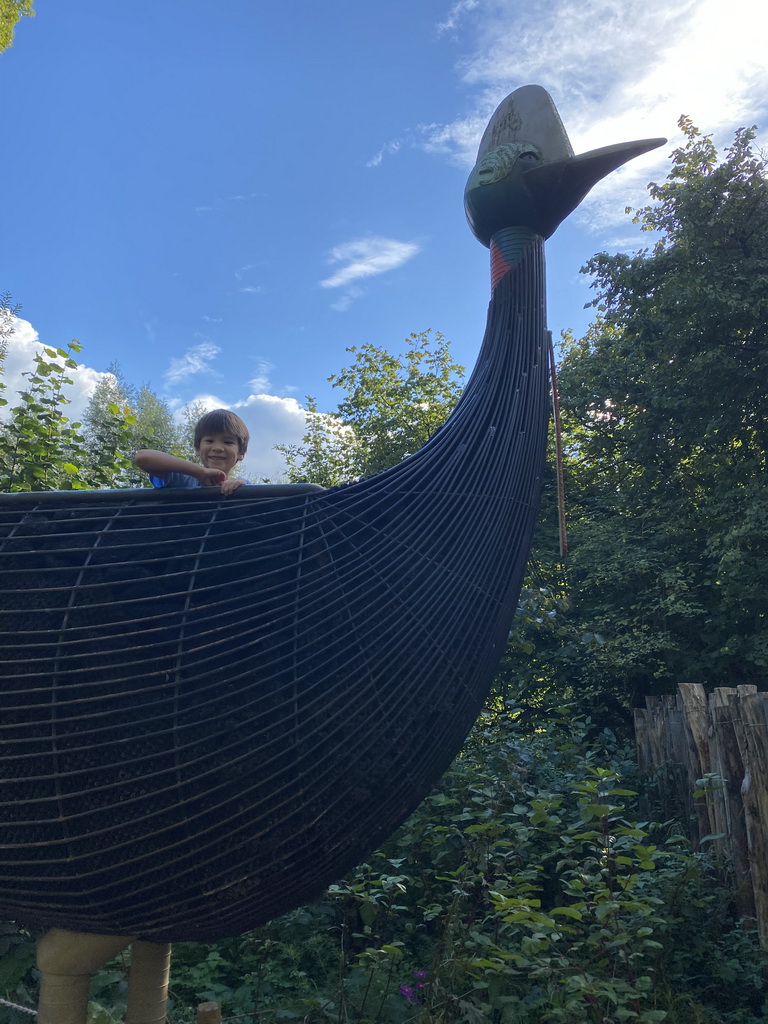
(526, 173)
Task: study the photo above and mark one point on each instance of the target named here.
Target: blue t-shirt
(173, 480)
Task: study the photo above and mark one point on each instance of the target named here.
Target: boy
(221, 441)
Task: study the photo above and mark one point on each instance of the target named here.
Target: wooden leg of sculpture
(66, 961)
(148, 982)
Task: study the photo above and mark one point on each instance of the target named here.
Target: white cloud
(23, 344)
(260, 382)
(366, 257)
(195, 360)
(388, 147)
(345, 300)
(456, 14)
(617, 71)
(459, 140)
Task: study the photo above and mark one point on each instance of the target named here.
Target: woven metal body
(212, 708)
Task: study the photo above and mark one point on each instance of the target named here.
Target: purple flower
(420, 974)
(407, 991)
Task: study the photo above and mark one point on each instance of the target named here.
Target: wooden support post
(148, 982)
(209, 1013)
(66, 961)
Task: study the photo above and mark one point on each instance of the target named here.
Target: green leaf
(567, 912)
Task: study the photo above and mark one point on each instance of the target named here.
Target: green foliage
(524, 889)
(393, 406)
(10, 12)
(328, 453)
(665, 440)
(40, 447)
(17, 955)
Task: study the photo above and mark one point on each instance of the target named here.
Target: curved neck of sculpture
(507, 248)
(487, 424)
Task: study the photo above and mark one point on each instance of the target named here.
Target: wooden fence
(710, 756)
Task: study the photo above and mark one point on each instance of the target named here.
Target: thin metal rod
(558, 450)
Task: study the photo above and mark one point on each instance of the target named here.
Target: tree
(10, 12)
(121, 418)
(664, 402)
(393, 406)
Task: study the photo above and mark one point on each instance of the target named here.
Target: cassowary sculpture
(212, 708)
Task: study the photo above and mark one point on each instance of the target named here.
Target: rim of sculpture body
(212, 708)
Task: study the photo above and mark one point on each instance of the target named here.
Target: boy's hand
(210, 477)
(231, 485)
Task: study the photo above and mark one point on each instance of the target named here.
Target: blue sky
(223, 198)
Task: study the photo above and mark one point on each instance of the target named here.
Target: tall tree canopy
(665, 402)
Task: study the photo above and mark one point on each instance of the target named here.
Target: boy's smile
(219, 451)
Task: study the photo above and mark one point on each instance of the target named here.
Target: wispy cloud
(366, 257)
(195, 360)
(345, 300)
(455, 15)
(244, 272)
(260, 382)
(220, 203)
(386, 149)
(616, 71)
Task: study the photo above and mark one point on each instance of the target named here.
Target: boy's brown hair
(222, 421)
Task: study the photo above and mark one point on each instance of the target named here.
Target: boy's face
(219, 451)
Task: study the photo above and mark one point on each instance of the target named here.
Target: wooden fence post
(752, 733)
(209, 1013)
(726, 760)
(693, 706)
(682, 739)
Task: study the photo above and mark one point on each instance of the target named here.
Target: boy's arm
(161, 462)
